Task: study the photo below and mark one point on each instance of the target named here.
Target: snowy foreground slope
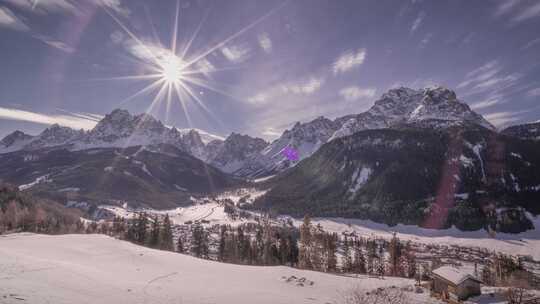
(99, 269)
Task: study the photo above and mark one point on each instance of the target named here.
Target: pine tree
(304, 256)
(347, 258)
(359, 264)
(394, 249)
(154, 241)
(180, 245)
(293, 251)
(166, 235)
(331, 248)
(222, 242)
(199, 242)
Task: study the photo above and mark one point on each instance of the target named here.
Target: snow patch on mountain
(359, 178)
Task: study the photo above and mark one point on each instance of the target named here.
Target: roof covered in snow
(453, 275)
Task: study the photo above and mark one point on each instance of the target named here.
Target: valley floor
(99, 269)
(525, 243)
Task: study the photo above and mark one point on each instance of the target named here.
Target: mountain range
(416, 156)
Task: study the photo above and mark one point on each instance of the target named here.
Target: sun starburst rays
(172, 73)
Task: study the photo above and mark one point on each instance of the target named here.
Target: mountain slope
(524, 131)
(467, 177)
(231, 154)
(433, 108)
(159, 176)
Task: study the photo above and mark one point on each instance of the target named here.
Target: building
(454, 285)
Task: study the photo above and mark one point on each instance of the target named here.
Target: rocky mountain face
(230, 155)
(469, 177)
(433, 108)
(158, 176)
(14, 141)
(117, 129)
(524, 131)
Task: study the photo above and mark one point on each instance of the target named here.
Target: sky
(257, 67)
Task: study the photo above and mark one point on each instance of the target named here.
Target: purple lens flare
(290, 153)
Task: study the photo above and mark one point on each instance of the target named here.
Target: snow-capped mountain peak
(434, 107)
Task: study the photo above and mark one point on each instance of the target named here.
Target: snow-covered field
(99, 269)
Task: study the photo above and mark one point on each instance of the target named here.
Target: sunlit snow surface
(94, 269)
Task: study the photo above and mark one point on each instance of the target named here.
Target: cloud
(489, 102)
(426, 40)
(506, 7)
(489, 78)
(349, 60)
(265, 43)
(66, 6)
(259, 98)
(480, 74)
(9, 20)
(303, 87)
(236, 53)
(205, 66)
(531, 44)
(72, 120)
(528, 13)
(501, 119)
(117, 37)
(45, 6)
(355, 93)
(417, 22)
(534, 92)
(518, 11)
(270, 132)
(115, 5)
(55, 43)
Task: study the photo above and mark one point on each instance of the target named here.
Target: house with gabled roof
(454, 285)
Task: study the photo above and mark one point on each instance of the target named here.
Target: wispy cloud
(72, 120)
(265, 43)
(355, 93)
(117, 37)
(502, 119)
(517, 11)
(489, 102)
(306, 88)
(426, 40)
(534, 92)
(236, 53)
(302, 87)
(489, 77)
(57, 44)
(528, 13)
(349, 60)
(417, 22)
(66, 6)
(115, 5)
(505, 7)
(44, 6)
(531, 43)
(270, 132)
(9, 19)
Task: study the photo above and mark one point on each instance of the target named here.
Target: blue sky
(257, 67)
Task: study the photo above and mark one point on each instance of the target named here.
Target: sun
(171, 68)
(175, 72)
